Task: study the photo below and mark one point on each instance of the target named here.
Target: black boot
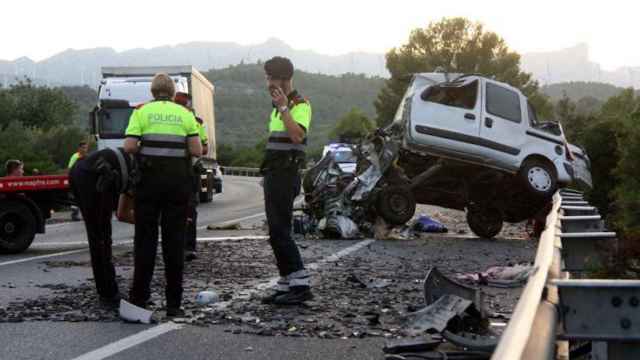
(175, 312)
(270, 299)
(296, 296)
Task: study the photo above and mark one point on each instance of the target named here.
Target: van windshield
(113, 122)
(344, 156)
(458, 94)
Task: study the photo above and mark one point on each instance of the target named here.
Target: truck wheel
(207, 196)
(484, 222)
(396, 205)
(17, 227)
(539, 178)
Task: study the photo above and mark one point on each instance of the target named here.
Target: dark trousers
(164, 199)
(97, 209)
(281, 186)
(194, 200)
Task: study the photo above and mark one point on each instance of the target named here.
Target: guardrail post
(603, 310)
(586, 251)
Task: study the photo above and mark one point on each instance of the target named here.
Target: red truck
(25, 205)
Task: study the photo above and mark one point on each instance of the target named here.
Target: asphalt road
(21, 275)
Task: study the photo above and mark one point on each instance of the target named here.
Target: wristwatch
(283, 109)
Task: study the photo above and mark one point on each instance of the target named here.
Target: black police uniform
(96, 183)
(162, 196)
(281, 170)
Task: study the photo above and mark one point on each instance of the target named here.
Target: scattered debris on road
(366, 294)
(501, 276)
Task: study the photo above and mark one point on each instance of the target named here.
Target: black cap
(279, 67)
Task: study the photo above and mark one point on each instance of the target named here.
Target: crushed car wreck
(464, 142)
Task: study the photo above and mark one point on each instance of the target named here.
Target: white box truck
(123, 88)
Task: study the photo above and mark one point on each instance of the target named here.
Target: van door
(445, 118)
(502, 125)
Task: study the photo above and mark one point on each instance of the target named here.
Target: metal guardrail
(241, 171)
(555, 309)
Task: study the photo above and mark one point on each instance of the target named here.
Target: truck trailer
(122, 89)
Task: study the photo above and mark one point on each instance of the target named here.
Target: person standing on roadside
(190, 247)
(284, 158)
(83, 149)
(164, 137)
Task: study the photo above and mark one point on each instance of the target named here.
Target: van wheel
(484, 222)
(17, 227)
(396, 205)
(539, 178)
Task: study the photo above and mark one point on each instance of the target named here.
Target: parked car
(472, 143)
(343, 155)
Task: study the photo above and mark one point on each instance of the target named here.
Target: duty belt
(280, 141)
(164, 145)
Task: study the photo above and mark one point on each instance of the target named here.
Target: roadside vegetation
(42, 125)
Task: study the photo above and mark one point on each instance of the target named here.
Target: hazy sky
(39, 29)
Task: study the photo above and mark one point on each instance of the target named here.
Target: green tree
(39, 107)
(19, 142)
(352, 126)
(458, 46)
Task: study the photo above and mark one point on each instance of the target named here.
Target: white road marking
(146, 335)
(314, 266)
(77, 243)
(57, 225)
(129, 342)
(233, 238)
(41, 257)
(234, 220)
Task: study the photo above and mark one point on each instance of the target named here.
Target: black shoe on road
(110, 301)
(294, 297)
(175, 312)
(269, 299)
(190, 255)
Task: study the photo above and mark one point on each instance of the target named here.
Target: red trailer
(25, 205)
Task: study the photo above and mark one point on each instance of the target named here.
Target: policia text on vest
(165, 136)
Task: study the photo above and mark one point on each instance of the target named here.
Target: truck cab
(122, 89)
(117, 98)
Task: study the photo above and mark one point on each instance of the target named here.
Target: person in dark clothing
(284, 156)
(190, 243)
(164, 137)
(96, 183)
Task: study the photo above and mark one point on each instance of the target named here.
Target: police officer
(164, 135)
(192, 216)
(96, 183)
(284, 157)
(80, 154)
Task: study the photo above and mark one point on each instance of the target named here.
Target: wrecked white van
(472, 143)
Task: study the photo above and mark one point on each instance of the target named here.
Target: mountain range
(82, 67)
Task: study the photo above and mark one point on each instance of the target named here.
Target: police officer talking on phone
(284, 158)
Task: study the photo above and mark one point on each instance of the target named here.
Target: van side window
(457, 95)
(503, 103)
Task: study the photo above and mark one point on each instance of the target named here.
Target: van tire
(17, 227)
(539, 178)
(485, 222)
(396, 204)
